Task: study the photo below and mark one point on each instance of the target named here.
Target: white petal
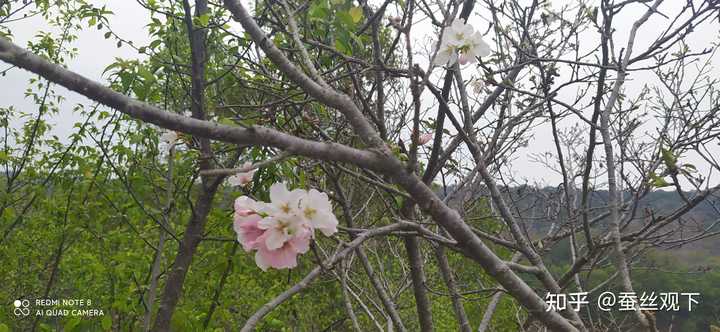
(326, 223)
(445, 56)
(457, 25)
(268, 223)
(317, 200)
(278, 192)
(234, 180)
(169, 137)
(275, 239)
(480, 47)
(441, 58)
(247, 203)
(449, 39)
(281, 197)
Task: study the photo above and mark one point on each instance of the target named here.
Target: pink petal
(245, 206)
(247, 230)
(283, 258)
(245, 178)
(244, 213)
(424, 138)
(301, 241)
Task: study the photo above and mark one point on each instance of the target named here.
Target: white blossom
(282, 200)
(317, 210)
(168, 140)
(395, 21)
(242, 179)
(280, 228)
(460, 42)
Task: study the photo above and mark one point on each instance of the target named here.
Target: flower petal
(301, 241)
(244, 204)
(425, 138)
(274, 238)
(284, 258)
(325, 222)
(248, 231)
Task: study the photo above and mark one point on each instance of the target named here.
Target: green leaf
(342, 46)
(146, 74)
(9, 213)
(4, 328)
(227, 121)
(669, 158)
(319, 12)
(155, 43)
(356, 14)
(111, 66)
(658, 181)
(203, 20)
(343, 19)
(71, 324)
(106, 323)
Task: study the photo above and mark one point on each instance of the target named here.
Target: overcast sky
(96, 52)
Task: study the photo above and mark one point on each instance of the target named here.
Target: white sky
(96, 52)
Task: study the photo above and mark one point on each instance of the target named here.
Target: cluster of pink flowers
(282, 229)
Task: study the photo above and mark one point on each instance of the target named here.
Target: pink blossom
(281, 229)
(284, 257)
(248, 232)
(424, 138)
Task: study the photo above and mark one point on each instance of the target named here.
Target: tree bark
(417, 274)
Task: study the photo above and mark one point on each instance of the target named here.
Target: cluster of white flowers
(460, 42)
(282, 229)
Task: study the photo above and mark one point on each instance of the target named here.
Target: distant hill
(538, 207)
